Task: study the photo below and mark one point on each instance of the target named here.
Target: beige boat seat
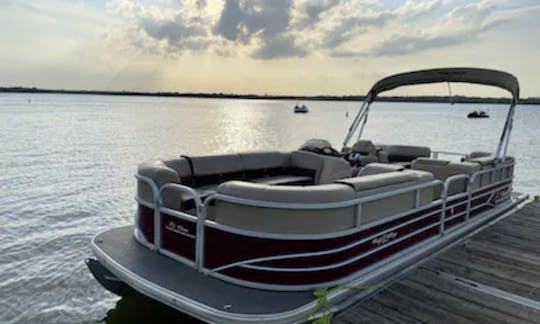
(285, 221)
(384, 182)
(486, 161)
(477, 154)
(205, 173)
(376, 168)
(402, 153)
(363, 152)
(443, 169)
(161, 174)
(273, 168)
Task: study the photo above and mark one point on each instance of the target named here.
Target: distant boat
(300, 108)
(478, 114)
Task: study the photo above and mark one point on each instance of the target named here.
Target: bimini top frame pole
(464, 75)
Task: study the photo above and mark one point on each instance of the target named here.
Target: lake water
(67, 165)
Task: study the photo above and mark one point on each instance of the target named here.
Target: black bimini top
(466, 75)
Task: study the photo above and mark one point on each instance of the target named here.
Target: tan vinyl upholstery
(486, 161)
(443, 169)
(364, 147)
(264, 160)
(384, 182)
(402, 153)
(477, 154)
(317, 221)
(364, 152)
(289, 221)
(316, 142)
(161, 174)
(328, 168)
(276, 168)
(216, 164)
(376, 168)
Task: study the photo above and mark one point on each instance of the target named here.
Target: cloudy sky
(302, 47)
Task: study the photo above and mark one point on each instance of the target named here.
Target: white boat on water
(301, 108)
(248, 237)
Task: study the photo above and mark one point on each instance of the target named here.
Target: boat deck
(493, 277)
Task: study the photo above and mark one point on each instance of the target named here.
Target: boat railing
(444, 203)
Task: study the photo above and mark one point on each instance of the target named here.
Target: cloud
(349, 28)
(240, 20)
(312, 10)
(411, 9)
(261, 22)
(401, 45)
(272, 29)
(177, 32)
(461, 25)
(278, 47)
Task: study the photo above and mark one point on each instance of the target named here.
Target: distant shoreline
(435, 99)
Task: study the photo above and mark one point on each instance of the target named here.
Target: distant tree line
(443, 99)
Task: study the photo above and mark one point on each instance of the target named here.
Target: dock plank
(493, 277)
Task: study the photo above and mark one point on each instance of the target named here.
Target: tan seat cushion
(283, 180)
(376, 168)
(264, 160)
(285, 221)
(376, 210)
(216, 164)
(379, 180)
(443, 169)
(404, 153)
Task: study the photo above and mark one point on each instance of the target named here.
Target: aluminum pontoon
(248, 237)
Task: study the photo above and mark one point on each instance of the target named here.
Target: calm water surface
(67, 165)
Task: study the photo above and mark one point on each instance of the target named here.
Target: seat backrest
(443, 169)
(161, 174)
(377, 183)
(326, 168)
(216, 168)
(364, 147)
(260, 164)
(181, 166)
(404, 153)
(279, 220)
(486, 161)
(376, 168)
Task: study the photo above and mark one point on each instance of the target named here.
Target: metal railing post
(443, 211)
(202, 210)
(470, 185)
(157, 215)
(358, 214)
(157, 225)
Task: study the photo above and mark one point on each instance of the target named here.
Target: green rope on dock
(536, 199)
(321, 310)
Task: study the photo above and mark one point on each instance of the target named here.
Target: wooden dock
(492, 277)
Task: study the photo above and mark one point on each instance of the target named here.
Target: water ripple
(67, 166)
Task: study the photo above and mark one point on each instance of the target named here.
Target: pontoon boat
(248, 237)
(478, 114)
(300, 108)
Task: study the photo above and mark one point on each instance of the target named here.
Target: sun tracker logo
(178, 229)
(384, 238)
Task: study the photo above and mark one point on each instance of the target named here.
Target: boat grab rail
(202, 207)
(249, 263)
(328, 205)
(157, 219)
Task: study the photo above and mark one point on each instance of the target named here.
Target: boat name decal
(384, 238)
(179, 229)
